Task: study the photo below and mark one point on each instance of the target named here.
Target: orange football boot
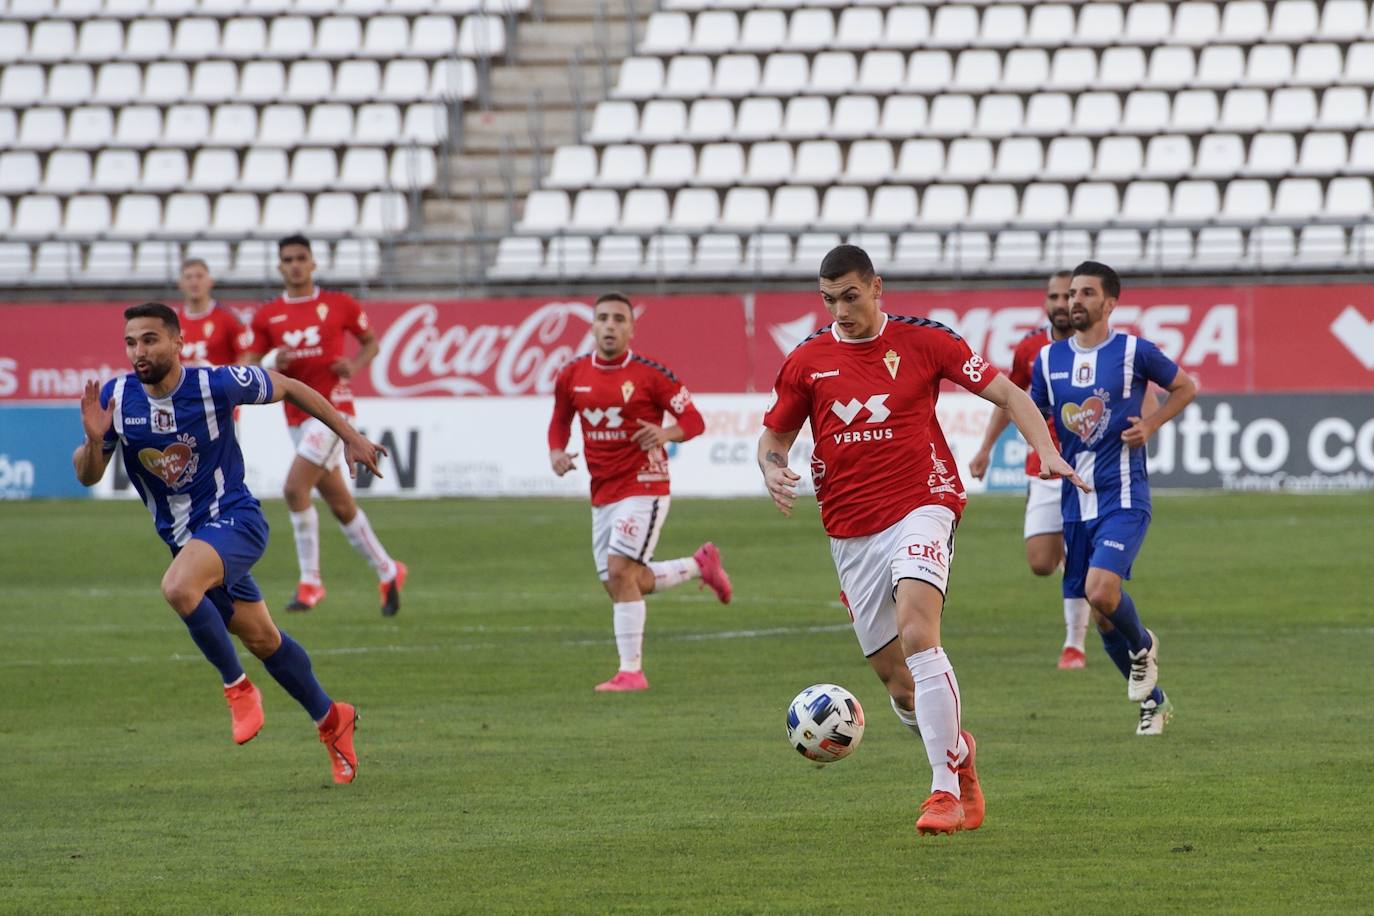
(970, 793)
(941, 813)
(391, 590)
(307, 595)
(245, 709)
(336, 734)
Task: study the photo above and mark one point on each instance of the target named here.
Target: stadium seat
(545, 211)
(108, 260)
(243, 38)
(954, 26)
(405, 81)
(453, 79)
(1097, 113)
(309, 81)
(1145, 202)
(976, 70)
(806, 116)
(689, 76)
(859, 28)
(1073, 69)
(929, 71)
(338, 37)
(14, 41)
(951, 115)
(433, 37)
(662, 120)
(285, 212)
(715, 32)
(869, 162)
(613, 122)
(1246, 199)
(919, 251)
(668, 253)
(1118, 159)
(572, 167)
(717, 253)
(618, 255)
(19, 174)
(137, 216)
(833, 72)
(1019, 159)
(1323, 245)
(1067, 246)
(1120, 68)
(1195, 110)
(1219, 245)
(1196, 23)
(784, 74)
(164, 170)
(1147, 112)
(1068, 158)
(51, 40)
(165, 82)
(330, 125)
(1271, 154)
(1094, 202)
(1048, 114)
(1321, 153)
(745, 208)
(1051, 25)
(902, 116)
(999, 115)
(622, 165)
(768, 252)
(1195, 201)
(843, 207)
(264, 169)
(1122, 248)
(196, 39)
(905, 27)
(254, 262)
(1269, 66)
(89, 127)
(758, 119)
(56, 262)
(920, 161)
(810, 29)
(357, 81)
(333, 213)
(793, 208)
(968, 160)
(156, 261)
(644, 208)
(312, 170)
(235, 213)
(1219, 156)
(1168, 156)
(1170, 68)
(263, 81)
(941, 204)
(1317, 65)
(666, 33)
(736, 75)
(881, 72)
(1343, 19)
(481, 36)
(812, 247)
(854, 116)
(1169, 245)
(1025, 70)
(1343, 107)
(671, 165)
(86, 214)
(377, 124)
(993, 203)
(643, 77)
(41, 129)
(214, 253)
(115, 171)
(1003, 26)
(186, 214)
(214, 81)
(1016, 250)
(595, 209)
(568, 257)
(1294, 20)
(695, 208)
(149, 40)
(280, 125)
(1292, 109)
(117, 83)
(1245, 21)
(70, 84)
(138, 126)
(517, 257)
(362, 169)
(1349, 196)
(1298, 198)
(1220, 66)
(1044, 202)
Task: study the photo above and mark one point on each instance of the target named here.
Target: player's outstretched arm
(777, 476)
(356, 448)
(1028, 419)
(1181, 390)
(90, 457)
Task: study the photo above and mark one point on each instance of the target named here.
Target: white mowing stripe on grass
(454, 647)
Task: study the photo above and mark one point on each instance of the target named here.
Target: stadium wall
(460, 389)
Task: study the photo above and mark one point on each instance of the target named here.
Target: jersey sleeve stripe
(1128, 366)
(207, 400)
(926, 323)
(118, 397)
(659, 366)
(264, 384)
(1045, 370)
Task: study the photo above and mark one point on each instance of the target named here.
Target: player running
(211, 334)
(301, 334)
(173, 427)
(890, 498)
(1093, 384)
(1044, 526)
(620, 398)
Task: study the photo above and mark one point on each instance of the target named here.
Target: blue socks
(211, 636)
(1120, 653)
(290, 665)
(1127, 623)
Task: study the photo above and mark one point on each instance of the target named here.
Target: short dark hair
(195, 262)
(1062, 275)
(154, 310)
(845, 259)
(1111, 283)
(614, 296)
(296, 239)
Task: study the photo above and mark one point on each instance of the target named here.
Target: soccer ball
(825, 723)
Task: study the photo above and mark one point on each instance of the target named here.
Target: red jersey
(312, 328)
(213, 339)
(610, 398)
(880, 452)
(1022, 360)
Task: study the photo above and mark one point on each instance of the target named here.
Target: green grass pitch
(493, 780)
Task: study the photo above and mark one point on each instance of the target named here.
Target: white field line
(434, 647)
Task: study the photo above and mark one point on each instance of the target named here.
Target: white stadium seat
(362, 169)
(671, 165)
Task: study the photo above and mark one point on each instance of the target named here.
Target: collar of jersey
(835, 333)
(598, 364)
(1073, 342)
(292, 300)
(185, 371)
(214, 304)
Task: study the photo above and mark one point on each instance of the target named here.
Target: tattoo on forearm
(775, 458)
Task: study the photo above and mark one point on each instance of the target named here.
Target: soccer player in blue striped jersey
(174, 427)
(1093, 385)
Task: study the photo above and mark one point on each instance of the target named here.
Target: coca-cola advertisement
(1233, 339)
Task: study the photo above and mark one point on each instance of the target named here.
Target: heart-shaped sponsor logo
(170, 465)
(1083, 418)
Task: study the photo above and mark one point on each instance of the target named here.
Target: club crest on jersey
(209, 328)
(627, 389)
(162, 420)
(1089, 419)
(1085, 371)
(176, 464)
(322, 310)
(891, 360)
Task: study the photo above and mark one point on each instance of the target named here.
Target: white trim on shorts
(629, 528)
(1044, 507)
(920, 546)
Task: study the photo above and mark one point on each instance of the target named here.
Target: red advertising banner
(1234, 339)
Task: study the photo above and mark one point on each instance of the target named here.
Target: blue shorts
(240, 540)
(1110, 542)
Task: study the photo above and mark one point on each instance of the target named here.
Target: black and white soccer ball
(825, 723)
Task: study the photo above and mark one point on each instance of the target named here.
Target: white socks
(360, 535)
(937, 711)
(1076, 614)
(908, 717)
(628, 617)
(674, 572)
(306, 527)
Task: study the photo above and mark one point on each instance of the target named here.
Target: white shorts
(1044, 513)
(629, 528)
(920, 546)
(318, 444)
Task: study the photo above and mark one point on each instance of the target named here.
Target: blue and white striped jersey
(181, 451)
(1089, 394)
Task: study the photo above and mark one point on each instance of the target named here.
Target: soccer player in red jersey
(211, 335)
(621, 398)
(890, 498)
(301, 334)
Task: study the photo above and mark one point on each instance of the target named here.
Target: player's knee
(1043, 566)
(183, 596)
(262, 643)
(1104, 598)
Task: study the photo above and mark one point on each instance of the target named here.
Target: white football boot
(1144, 671)
(1154, 716)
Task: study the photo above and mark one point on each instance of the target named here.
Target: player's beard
(1060, 320)
(154, 372)
(1081, 320)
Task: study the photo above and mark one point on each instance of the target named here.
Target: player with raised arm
(301, 334)
(1093, 386)
(890, 498)
(620, 398)
(211, 334)
(174, 430)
